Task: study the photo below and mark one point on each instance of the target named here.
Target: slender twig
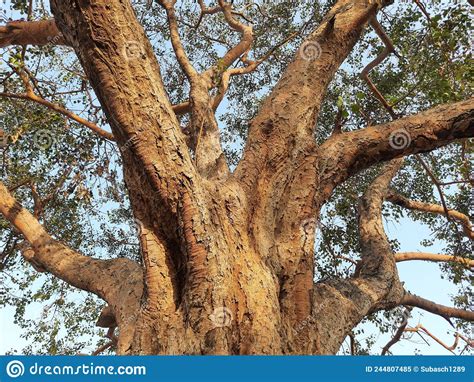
(32, 96)
(420, 328)
(389, 48)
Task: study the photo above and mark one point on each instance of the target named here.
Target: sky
(421, 278)
(424, 279)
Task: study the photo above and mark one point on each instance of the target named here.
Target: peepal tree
(228, 262)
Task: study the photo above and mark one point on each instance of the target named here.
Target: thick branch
(42, 32)
(408, 256)
(117, 281)
(440, 310)
(377, 261)
(126, 78)
(54, 257)
(340, 304)
(343, 155)
(273, 170)
(286, 122)
(432, 208)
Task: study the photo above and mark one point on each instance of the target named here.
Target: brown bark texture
(228, 257)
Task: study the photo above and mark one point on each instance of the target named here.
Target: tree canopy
(61, 162)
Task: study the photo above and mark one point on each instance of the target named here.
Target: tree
(227, 260)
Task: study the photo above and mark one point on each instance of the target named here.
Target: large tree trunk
(228, 259)
(230, 298)
(220, 274)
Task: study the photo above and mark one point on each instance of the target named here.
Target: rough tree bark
(228, 258)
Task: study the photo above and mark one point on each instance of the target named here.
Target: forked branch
(56, 258)
(288, 115)
(457, 336)
(399, 333)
